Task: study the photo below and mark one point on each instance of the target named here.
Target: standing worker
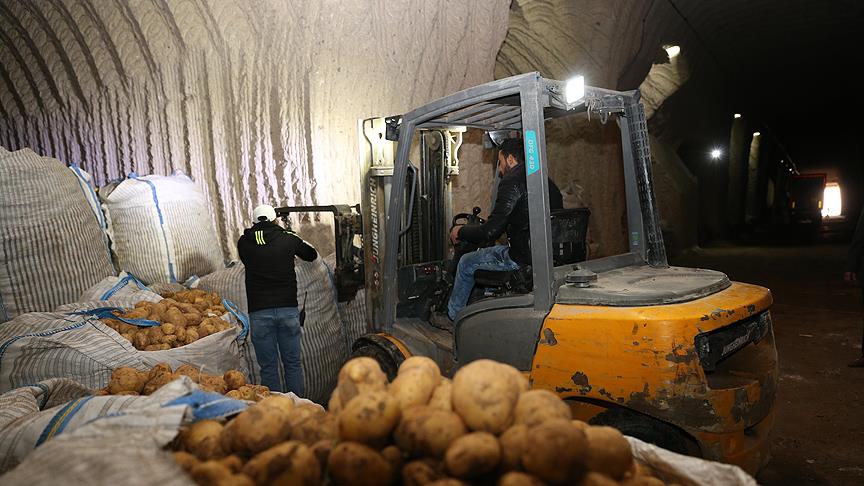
(267, 250)
(854, 262)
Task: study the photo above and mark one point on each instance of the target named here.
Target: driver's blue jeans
(491, 258)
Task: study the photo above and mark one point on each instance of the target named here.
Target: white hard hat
(264, 211)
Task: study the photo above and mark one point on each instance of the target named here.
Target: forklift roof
(496, 105)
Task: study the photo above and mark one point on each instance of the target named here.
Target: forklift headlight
(575, 89)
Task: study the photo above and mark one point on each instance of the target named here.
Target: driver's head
(511, 153)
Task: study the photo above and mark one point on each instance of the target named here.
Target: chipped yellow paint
(644, 358)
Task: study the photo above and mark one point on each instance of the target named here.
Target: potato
(555, 451)
(157, 383)
(101, 392)
(413, 387)
(593, 478)
(155, 334)
(638, 469)
(289, 463)
(232, 462)
(254, 430)
(354, 464)
(169, 339)
(235, 394)
(517, 478)
(168, 328)
(394, 456)
(334, 405)
(278, 401)
(428, 432)
(191, 371)
(186, 460)
(315, 428)
(202, 439)
(260, 392)
(442, 397)
(643, 481)
(234, 379)
(213, 384)
(209, 472)
(322, 449)
(359, 375)
(609, 452)
(370, 418)
(191, 335)
(473, 455)
(583, 426)
(512, 442)
(136, 313)
(159, 369)
(485, 394)
(247, 392)
(235, 480)
(421, 362)
(422, 472)
(140, 341)
(175, 316)
(537, 406)
(125, 379)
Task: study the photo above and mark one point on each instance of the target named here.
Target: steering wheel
(468, 219)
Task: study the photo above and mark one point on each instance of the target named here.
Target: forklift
(680, 357)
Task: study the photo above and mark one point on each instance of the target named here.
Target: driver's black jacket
(510, 214)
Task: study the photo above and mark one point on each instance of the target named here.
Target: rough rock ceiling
(786, 63)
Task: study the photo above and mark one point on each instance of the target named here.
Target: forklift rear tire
(379, 348)
(648, 429)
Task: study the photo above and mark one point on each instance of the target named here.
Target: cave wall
(257, 101)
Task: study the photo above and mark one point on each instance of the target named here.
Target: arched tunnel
(755, 169)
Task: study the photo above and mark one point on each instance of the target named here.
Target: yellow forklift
(680, 357)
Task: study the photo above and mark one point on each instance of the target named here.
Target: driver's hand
(850, 277)
(454, 234)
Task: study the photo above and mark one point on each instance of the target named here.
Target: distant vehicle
(806, 193)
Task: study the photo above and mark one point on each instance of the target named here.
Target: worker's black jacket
(267, 250)
(510, 214)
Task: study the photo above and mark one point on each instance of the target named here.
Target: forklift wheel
(388, 356)
(649, 430)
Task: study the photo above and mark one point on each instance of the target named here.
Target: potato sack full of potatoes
(183, 318)
(233, 383)
(483, 427)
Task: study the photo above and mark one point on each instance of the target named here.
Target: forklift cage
(524, 103)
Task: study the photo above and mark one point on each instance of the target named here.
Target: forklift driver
(510, 215)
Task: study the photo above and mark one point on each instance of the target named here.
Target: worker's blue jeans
(491, 258)
(276, 332)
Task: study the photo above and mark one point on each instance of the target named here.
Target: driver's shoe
(441, 321)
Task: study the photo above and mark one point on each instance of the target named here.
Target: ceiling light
(672, 51)
(756, 134)
(575, 89)
(715, 154)
(737, 115)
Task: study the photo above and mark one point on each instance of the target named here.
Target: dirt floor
(818, 435)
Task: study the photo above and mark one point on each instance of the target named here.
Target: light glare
(737, 115)
(756, 134)
(833, 205)
(715, 154)
(575, 89)
(672, 51)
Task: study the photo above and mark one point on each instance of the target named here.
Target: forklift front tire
(382, 350)
(648, 429)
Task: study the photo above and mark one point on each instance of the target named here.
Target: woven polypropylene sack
(73, 344)
(52, 247)
(353, 312)
(323, 345)
(161, 228)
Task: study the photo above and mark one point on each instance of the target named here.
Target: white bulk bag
(161, 228)
(52, 247)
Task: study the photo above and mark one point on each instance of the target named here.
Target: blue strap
(122, 283)
(99, 216)
(61, 419)
(171, 275)
(207, 405)
(242, 317)
(107, 313)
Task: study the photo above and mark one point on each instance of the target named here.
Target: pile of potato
(483, 427)
(129, 381)
(184, 318)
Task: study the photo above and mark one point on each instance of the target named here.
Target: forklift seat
(569, 231)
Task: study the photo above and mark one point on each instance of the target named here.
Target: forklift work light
(575, 89)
